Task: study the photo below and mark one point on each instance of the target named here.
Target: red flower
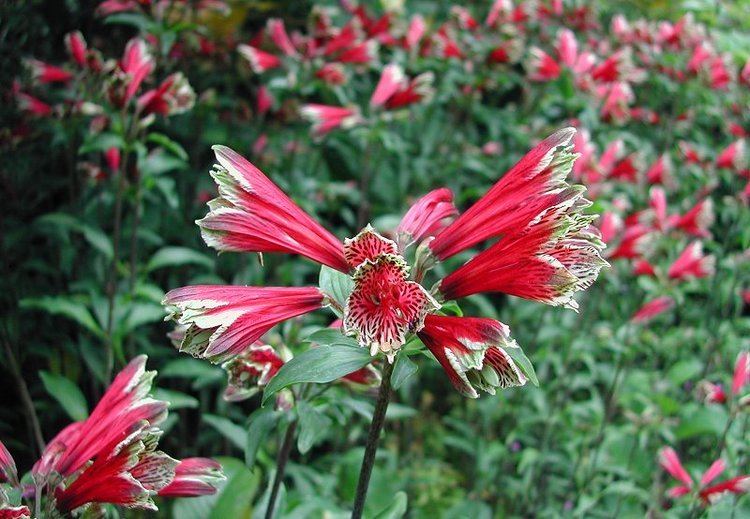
(546, 251)
(327, 118)
(277, 31)
(111, 456)
(426, 217)
(733, 156)
(136, 64)
(332, 73)
(697, 220)
(669, 460)
(250, 371)
(692, 263)
(46, 73)
(542, 66)
(251, 214)
(260, 61)
(392, 79)
(660, 171)
(741, 372)
(8, 472)
(472, 351)
(224, 321)
(173, 96)
(652, 309)
(193, 477)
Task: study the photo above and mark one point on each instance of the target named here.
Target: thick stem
(378, 419)
(281, 460)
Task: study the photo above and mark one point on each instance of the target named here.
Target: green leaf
(403, 369)
(684, 370)
(101, 142)
(397, 508)
(230, 430)
(67, 395)
(318, 365)
(523, 362)
(701, 421)
(336, 285)
(178, 256)
(137, 20)
(260, 423)
(313, 426)
(65, 307)
(331, 336)
(176, 399)
(165, 142)
(94, 236)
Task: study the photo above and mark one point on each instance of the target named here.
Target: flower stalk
(281, 461)
(373, 436)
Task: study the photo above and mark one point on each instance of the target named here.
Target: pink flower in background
(332, 73)
(327, 118)
(660, 171)
(277, 32)
(260, 61)
(652, 309)
(46, 73)
(415, 32)
(76, 46)
(692, 263)
(392, 79)
(173, 96)
(542, 67)
(135, 66)
(707, 493)
(264, 100)
(697, 220)
(733, 156)
(741, 372)
(641, 267)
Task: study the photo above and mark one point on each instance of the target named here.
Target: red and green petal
(472, 351)
(384, 306)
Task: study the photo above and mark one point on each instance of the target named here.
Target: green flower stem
(376, 426)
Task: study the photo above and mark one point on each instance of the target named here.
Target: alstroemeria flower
(112, 457)
(46, 73)
(741, 375)
(697, 220)
(653, 308)
(706, 492)
(250, 371)
(260, 61)
(733, 156)
(134, 67)
(692, 263)
(546, 250)
(173, 96)
(326, 118)
(660, 172)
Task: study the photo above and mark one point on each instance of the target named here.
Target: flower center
(384, 306)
